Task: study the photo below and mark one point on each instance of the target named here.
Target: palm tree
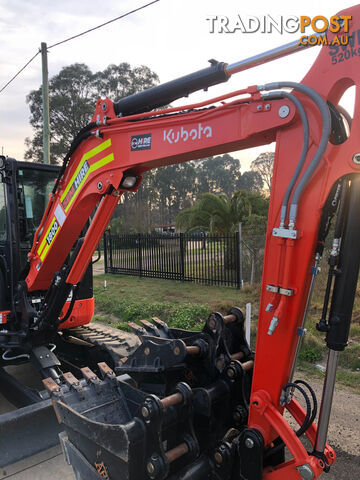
(217, 214)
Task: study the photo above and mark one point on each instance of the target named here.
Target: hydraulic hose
(314, 399)
(71, 306)
(325, 134)
(304, 119)
(82, 135)
(309, 417)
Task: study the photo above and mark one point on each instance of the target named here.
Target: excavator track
(116, 343)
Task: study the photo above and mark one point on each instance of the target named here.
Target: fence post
(252, 268)
(248, 322)
(240, 256)
(105, 253)
(110, 253)
(182, 257)
(140, 254)
(237, 260)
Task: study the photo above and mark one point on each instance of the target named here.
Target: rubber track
(117, 343)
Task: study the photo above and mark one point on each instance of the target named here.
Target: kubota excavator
(178, 404)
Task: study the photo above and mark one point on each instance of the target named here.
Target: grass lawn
(187, 305)
(182, 305)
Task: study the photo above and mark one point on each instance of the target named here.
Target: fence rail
(211, 259)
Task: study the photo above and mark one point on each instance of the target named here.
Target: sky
(172, 37)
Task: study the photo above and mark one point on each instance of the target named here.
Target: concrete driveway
(343, 435)
(45, 465)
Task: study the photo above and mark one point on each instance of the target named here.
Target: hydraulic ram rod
(218, 72)
(269, 55)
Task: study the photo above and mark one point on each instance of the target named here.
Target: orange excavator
(175, 404)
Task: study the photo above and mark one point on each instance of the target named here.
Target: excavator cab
(24, 195)
(23, 198)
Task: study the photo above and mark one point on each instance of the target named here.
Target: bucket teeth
(161, 326)
(91, 378)
(150, 328)
(155, 328)
(51, 386)
(106, 371)
(88, 374)
(137, 329)
(73, 383)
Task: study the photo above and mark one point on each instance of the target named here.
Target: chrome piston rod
(269, 55)
(326, 402)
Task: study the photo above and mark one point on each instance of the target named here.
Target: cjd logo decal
(175, 135)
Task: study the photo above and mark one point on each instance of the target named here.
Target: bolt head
(356, 158)
(305, 472)
(259, 107)
(230, 373)
(218, 458)
(249, 443)
(145, 412)
(150, 468)
(177, 351)
(284, 111)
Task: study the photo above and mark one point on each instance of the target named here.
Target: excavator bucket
(104, 439)
(168, 410)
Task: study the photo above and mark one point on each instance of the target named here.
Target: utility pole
(45, 102)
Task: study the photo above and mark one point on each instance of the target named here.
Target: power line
(21, 69)
(103, 24)
(78, 35)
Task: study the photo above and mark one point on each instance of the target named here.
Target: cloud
(171, 37)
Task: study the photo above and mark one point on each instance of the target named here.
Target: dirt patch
(347, 467)
(343, 433)
(98, 268)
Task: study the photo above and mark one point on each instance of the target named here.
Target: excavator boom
(316, 174)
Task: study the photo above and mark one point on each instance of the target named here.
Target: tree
(166, 191)
(251, 182)
(219, 174)
(263, 165)
(259, 204)
(215, 213)
(72, 96)
(118, 81)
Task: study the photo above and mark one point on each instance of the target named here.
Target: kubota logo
(174, 135)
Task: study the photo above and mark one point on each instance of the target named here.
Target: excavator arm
(316, 172)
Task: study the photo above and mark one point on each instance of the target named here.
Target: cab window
(34, 187)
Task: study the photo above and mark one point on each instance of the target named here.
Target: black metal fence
(211, 259)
